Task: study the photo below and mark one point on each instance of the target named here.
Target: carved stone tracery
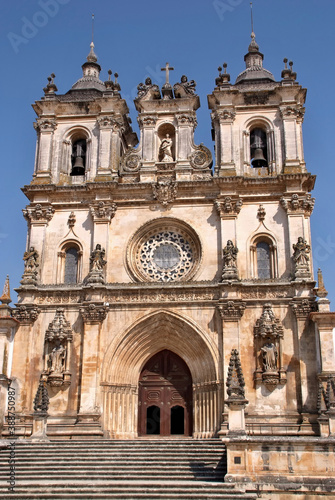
(58, 338)
(268, 333)
(201, 158)
(165, 191)
(235, 381)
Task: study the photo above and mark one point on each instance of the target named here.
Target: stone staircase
(142, 469)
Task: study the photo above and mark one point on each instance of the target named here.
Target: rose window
(165, 252)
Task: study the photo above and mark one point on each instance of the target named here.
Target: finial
(109, 74)
(224, 78)
(116, 84)
(92, 56)
(50, 88)
(288, 73)
(5, 297)
(321, 290)
(252, 21)
(92, 28)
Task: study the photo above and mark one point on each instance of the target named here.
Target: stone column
(228, 208)
(299, 209)
(38, 217)
(325, 322)
(45, 128)
(93, 315)
(8, 326)
(292, 116)
(231, 312)
(223, 120)
(306, 349)
(104, 168)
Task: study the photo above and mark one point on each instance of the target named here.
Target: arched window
(71, 265)
(263, 258)
(258, 148)
(78, 157)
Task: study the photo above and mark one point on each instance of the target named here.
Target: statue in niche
(30, 260)
(97, 258)
(270, 355)
(229, 254)
(301, 251)
(165, 149)
(56, 359)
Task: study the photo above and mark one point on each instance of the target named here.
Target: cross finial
(167, 69)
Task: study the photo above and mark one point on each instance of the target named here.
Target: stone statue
(301, 251)
(165, 149)
(184, 88)
(270, 355)
(30, 260)
(97, 259)
(229, 261)
(57, 359)
(229, 254)
(148, 89)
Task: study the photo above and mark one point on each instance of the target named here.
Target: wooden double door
(165, 396)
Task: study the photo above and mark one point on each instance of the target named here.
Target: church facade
(166, 292)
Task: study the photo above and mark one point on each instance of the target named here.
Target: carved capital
(45, 125)
(232, 310)
(293, 112)
(103, 211)
(93, 313)
(187, 119)
(165, 191)
(302, 308)
(147, 121)
(228, 207)
(296, 203)
(26, 314)
(40, 214)
(105, 122)
(225, 116)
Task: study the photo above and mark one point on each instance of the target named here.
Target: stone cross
(167, 69)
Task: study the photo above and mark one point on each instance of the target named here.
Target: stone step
(136, 490)
(153, 469)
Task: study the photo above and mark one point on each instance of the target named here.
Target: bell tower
(257, 122)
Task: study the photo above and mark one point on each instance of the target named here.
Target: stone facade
(137, 250)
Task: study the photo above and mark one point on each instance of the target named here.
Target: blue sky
(136, 39)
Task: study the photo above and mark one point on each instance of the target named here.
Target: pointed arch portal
(127, 361)
(165, 396)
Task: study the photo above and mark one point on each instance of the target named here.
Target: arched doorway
(165, 396)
